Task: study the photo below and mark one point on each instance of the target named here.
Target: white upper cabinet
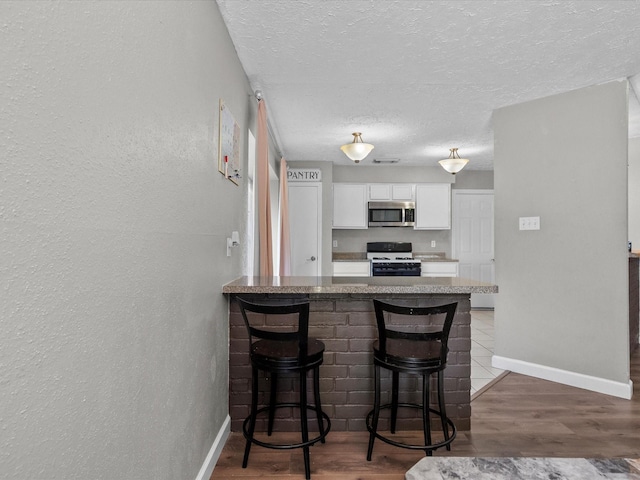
(433, 203)
(350, 205)
(380, 192)
(433, 206)
(402, 192)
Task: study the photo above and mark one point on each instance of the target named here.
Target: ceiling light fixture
(357, 150)
(454, 163)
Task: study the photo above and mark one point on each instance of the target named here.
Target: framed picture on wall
(228, 144)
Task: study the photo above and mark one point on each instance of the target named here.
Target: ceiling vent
(386, 160)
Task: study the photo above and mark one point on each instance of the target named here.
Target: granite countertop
(433, 257)
(350, 260)
(357, 285)
(362, 257)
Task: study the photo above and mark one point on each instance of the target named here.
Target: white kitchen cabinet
(352, 269)
(381, 192)
(350, 205)
(433, 206)
(402, 191)
(439, 269)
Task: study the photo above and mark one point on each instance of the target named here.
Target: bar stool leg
(254, 413)
(303, 422)
(376, 411)
(272, 402)
(426, 422)
(442, 407)
(394, 400)
(316, 394)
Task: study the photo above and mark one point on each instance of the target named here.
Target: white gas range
(392, 259)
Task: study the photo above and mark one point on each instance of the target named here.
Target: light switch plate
(529, 223)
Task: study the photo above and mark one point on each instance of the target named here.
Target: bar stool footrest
(287, 446)
(431, 447)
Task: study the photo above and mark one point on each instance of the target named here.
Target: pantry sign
(304, 175)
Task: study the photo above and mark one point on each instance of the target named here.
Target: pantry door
(305, 223)
(473, 239)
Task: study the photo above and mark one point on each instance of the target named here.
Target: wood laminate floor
(516, 416)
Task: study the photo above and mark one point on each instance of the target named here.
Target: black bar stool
(277, 351)
(422, 351)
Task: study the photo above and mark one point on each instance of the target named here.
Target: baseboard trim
(216, 449)
(573, 379)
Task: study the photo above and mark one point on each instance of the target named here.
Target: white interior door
(473, 239)
(305, 220)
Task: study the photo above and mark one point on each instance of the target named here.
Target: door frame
(454, 242)
(318, 186)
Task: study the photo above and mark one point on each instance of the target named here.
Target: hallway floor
(482, 344)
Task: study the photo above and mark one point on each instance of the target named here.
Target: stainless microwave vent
(386, 160)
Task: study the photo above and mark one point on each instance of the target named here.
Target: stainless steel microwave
(392, 214)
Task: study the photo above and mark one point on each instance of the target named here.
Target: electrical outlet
(335, 243)
(433, 244)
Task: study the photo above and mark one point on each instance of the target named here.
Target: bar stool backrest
(439, 332)
(299, 335)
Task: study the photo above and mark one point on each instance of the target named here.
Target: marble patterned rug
(511, 468)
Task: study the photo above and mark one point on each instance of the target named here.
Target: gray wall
(563, 300)
(474, 180)
(114, 217)
(634, 192)
(356, 240)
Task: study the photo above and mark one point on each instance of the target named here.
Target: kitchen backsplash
(356, 240)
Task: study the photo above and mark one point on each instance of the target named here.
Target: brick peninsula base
(342, 317)
(347, 326)
(345, 322)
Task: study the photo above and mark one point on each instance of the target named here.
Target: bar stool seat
(277, 351)
(283, 354)
(418, 349)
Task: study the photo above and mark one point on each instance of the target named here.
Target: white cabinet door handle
(313, 259)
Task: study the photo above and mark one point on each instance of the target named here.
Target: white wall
(113, 217)
(562, 310)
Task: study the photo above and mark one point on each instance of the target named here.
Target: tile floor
(482, 373)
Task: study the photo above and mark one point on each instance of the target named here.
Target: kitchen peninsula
(342, 317)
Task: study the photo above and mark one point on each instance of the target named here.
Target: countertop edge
(357, 286)
(360, 290)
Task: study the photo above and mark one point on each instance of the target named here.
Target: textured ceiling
(419, 77)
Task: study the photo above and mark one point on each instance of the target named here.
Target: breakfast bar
(342, 317)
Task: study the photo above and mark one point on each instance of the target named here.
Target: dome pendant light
(454, 163)
(357, 150)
